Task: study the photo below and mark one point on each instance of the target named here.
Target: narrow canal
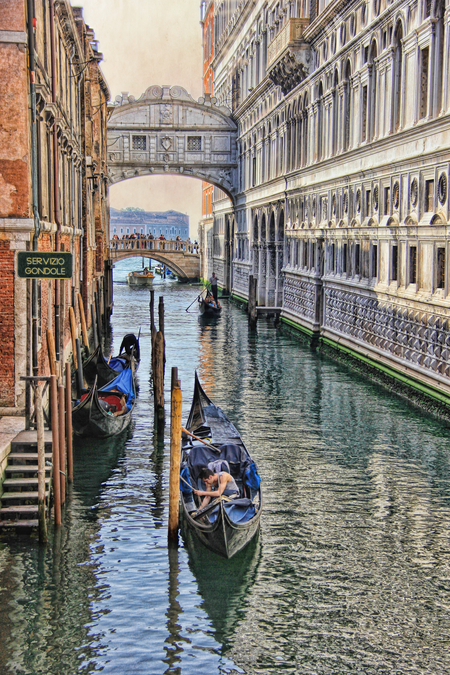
(350, 574)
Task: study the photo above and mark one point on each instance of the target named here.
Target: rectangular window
(394, 265)
(194, 143)
(413, 264)
(332, 258)
(368, 202)
(139, 142)
(364, 114)
(313, 256)
(305, 254)
(424, 59)
(357, 259)
(387, 201)
(440, 268)
(374, 261)
(344, 258)
(429, 195)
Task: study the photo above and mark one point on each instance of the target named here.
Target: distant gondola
(94, 415)
(224, 525)
(208, 306)
(97, 366)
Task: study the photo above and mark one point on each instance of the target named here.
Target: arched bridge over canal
(181, 257)
(166, 131)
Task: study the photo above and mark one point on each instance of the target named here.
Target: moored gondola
(105, 412)
(225, 525)
(105, 370)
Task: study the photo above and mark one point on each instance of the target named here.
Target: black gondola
(225, 525)
(93, 415)
(208, 306)
(97, 366)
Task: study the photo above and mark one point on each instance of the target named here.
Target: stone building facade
(206, 224)
(342, 207)
(53, 180)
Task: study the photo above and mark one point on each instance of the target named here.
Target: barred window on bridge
(139, 142)
(194, 143)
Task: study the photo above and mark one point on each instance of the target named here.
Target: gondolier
(217, 484)
(213, 282)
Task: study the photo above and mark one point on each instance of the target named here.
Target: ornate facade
(53, 180)
(341, 207)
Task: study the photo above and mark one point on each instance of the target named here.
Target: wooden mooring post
(94, 327)
(175, 457)
(55, 449)
(62, 441)
(158, 362)
(69, 431)
(73, 331)
(84, 332)
(252, 302)
(41, 463)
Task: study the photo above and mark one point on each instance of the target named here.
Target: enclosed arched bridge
(181, 257)
(166, 131)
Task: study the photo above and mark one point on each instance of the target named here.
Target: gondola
(93, 415)
(224, 525)
(207, 305)
(97, 366)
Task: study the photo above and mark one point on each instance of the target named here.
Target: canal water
(350, 573)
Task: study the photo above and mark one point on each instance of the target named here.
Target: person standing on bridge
(213, 282)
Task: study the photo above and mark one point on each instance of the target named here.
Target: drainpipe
(80, 179)
(31, 24)
(56, 178)
(72, 181)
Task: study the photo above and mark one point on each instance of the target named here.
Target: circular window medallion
(358, 201)
(375, 197)
(396, 194)
(346, 202)
(414, 192)
(442, 188)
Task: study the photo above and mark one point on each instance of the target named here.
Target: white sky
(146, 42)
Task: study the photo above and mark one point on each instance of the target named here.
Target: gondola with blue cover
(94, 414)
(224, 525)
(97, 366)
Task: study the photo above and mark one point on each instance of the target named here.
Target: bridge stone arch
(166, 131)
(180, 257)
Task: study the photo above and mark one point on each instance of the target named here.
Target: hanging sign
(43, 265)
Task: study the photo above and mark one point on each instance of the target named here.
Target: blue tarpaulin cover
(117, 364)
(184, 473)
(124, 384)
(238, 511)
(252, 477)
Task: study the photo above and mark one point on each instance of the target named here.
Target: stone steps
(19, 501)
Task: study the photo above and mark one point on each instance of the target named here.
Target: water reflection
(351, 572)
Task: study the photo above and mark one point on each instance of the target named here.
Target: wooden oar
(185, 431)
(110, 356)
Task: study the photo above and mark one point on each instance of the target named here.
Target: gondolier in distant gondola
(213, 282)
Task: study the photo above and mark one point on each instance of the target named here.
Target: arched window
(397, 84)
(320, 134)
(372, 91)
(346, 104)
(334, 130)
(305, 132)
(439, 36)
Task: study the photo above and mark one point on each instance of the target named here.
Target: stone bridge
(179, 256)
(166, 131)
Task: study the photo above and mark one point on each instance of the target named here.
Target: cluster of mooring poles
(52, 398)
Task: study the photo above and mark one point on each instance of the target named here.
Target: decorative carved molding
(288, 72)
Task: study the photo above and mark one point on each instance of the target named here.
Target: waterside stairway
(19, 500)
